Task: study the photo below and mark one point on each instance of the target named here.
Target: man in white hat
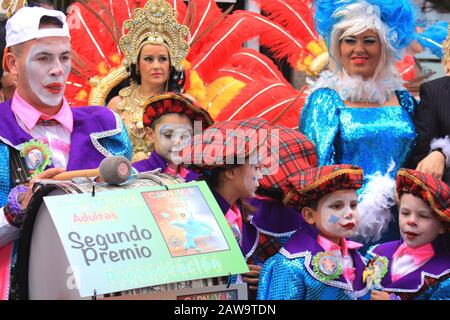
(38, 119)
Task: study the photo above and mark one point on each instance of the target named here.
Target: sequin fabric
(437, 291)
(367, 137)
(4, 174)
(119, 144)
(288, 279)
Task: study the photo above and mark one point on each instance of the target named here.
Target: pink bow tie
(419, 254)
(349, 274)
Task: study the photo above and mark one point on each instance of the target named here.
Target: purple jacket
(90, 126)
(413, 284)
(155, 161)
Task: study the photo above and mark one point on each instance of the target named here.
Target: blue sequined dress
(378, 139)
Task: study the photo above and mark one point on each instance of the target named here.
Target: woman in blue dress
(358, 111)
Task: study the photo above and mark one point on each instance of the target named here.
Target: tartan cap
(295, 153)
(226, 144)
(170, 102)
(432, 191)
(312, 184)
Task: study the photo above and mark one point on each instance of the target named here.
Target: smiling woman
(361, 54)
(358, 111)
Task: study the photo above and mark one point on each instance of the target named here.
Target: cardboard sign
(127, 239)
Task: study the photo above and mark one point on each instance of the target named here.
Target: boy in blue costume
(319, 263)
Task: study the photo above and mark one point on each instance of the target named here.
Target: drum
(43, 270)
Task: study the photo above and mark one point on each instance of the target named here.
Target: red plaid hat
(432, 191)
(170, 102)
(312, 184)
(295, 153)
(227, 143)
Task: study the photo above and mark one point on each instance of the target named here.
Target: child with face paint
(417, 267)
(227, 155)
(170, 120)
(319, 263)
(273, 223)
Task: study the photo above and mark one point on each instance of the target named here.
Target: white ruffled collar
(356, 89)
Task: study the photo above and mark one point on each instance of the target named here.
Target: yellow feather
(197, 87)
(81, 95)
(219, 94)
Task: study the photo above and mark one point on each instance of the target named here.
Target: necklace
(131, 110)
(132, 103)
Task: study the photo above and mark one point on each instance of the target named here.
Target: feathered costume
(378, 139)
(231, 82)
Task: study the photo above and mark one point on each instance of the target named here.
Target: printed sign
(222, 293)
(134, 238)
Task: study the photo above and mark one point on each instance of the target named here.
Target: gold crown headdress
(156, 23)
(446, 49)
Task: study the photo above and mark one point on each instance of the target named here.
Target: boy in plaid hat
(319, 263)
(273, 223)
(229, 155)
(170, 119)
(418, 266)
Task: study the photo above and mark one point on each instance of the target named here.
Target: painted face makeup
(172, 138)
(48, 66)
(339, 215)
(418, 223)
(252, 175)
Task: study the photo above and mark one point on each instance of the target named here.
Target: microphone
(112, 170)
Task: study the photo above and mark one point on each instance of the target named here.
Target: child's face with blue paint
(171, 134)
(337, 214)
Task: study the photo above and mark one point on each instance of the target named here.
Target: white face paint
(339, 215)
(419, 225)
(172, 138)
(252, 175)
(48, 66)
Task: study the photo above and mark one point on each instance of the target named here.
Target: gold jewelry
(101, 87)
(156, 23)
(132, 103)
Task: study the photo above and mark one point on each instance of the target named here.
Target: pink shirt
(342, 252)
(57, 137)
(328, 245)
(30, 116)
(234, 219)
(407, 259)
(183, 172)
